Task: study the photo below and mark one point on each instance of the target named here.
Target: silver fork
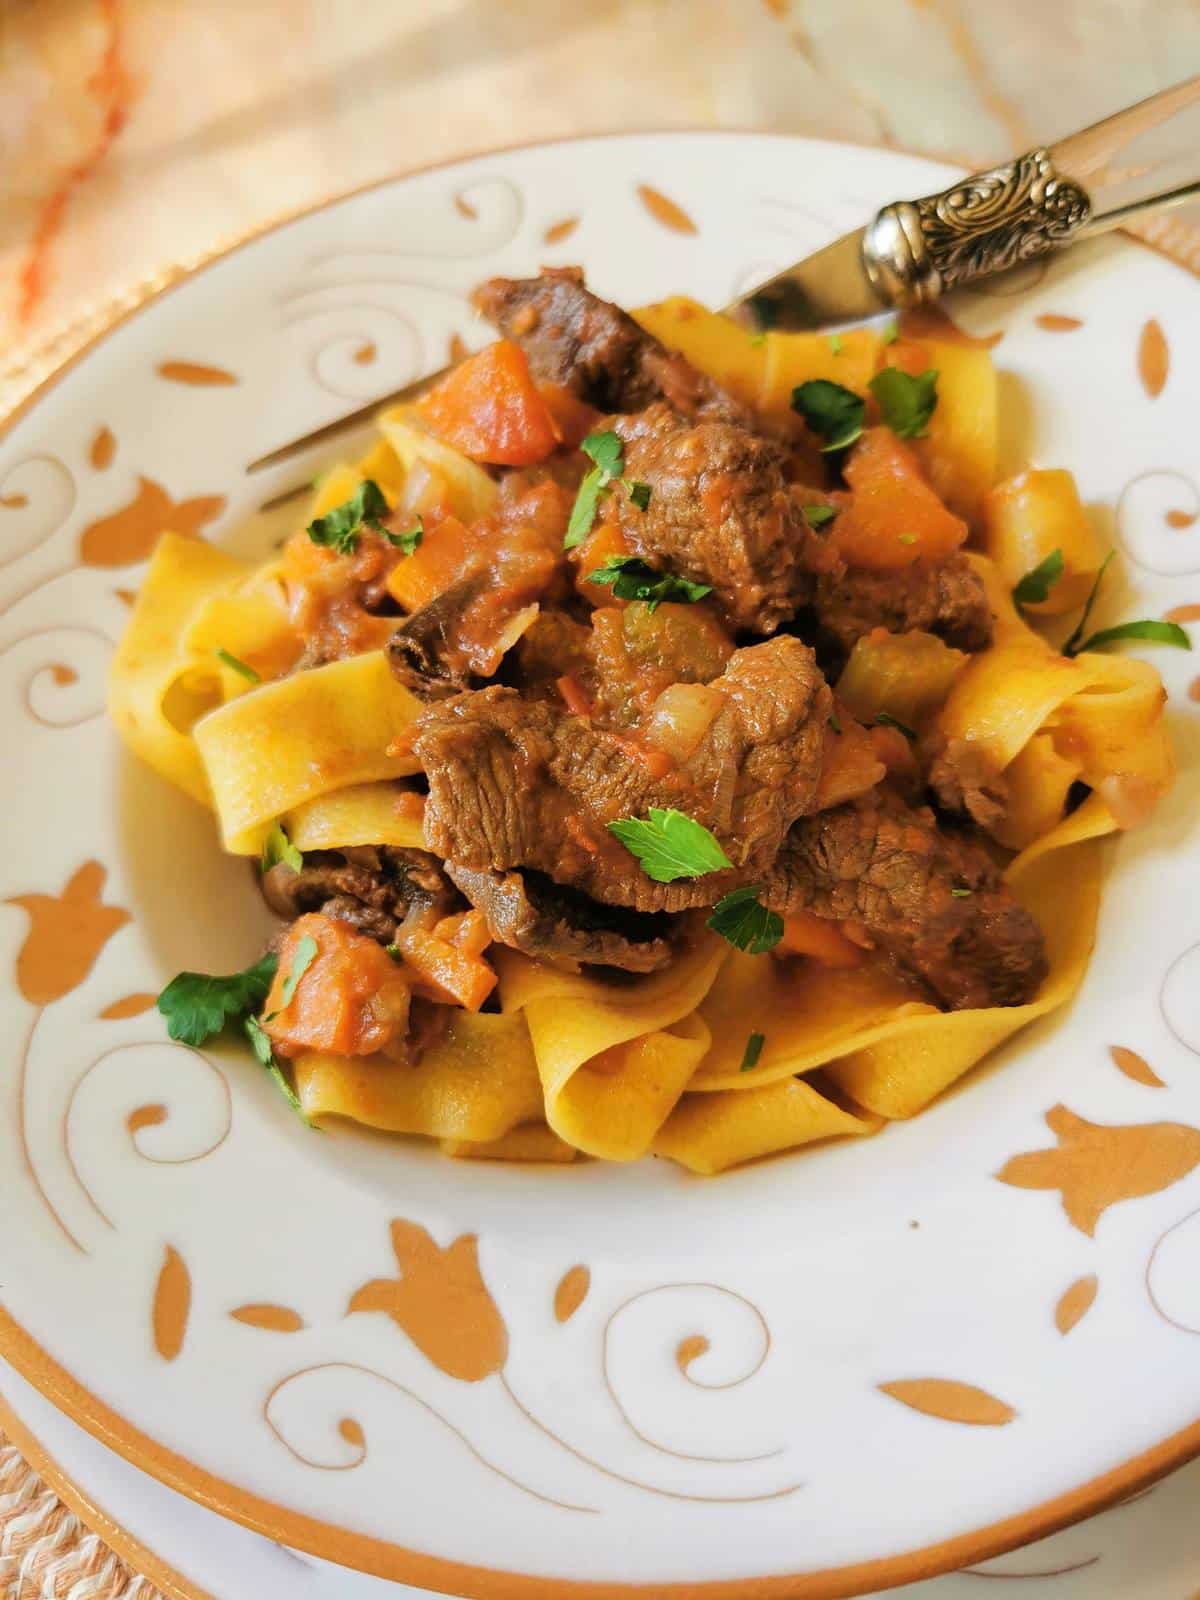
(913, 251)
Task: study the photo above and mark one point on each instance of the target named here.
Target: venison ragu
(556, 704)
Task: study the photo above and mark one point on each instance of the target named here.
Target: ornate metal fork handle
(914, 250)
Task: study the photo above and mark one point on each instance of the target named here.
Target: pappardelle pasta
(656, 743)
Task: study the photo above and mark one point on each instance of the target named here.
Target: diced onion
(681, 717)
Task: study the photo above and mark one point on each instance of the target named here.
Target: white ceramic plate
(1042, 1351)
(1149, 1547)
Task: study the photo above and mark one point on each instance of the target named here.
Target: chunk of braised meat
(946, 598)
(371, 887)
(721, 513)
(429, 653)
(932, 899)
(963, 780)
(565, 929)
(572, 337)
(514, 783)
(512, 560)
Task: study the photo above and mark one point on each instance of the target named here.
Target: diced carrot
(910, 355)
(438, 560)
(573, 417)
(490, 408)
(605, 540)
(893, 518)
(351, 1000)
(443, 971)
(574, 696)
(806, 934)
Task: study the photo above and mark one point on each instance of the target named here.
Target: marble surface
(138, 133)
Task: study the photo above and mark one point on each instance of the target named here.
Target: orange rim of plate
(380, 1557)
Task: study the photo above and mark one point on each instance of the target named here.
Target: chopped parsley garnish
(639, 493)
(278, 847)
(758, 338)
(1148, 628)
(670, 845)
(605, 450)
(631, 579)
(906, 403)
(886, 720)
(260, 1043)
(339, 529)
(197, 1006)
(306, 954)
(835, 722)
(891, 333)
(961, 894)
(906, 538)
(754, 1049)
(831, 411)
(409, 540)
(228, 659)
(818, 516)
(741, 918)
(835, 343)
(1037, 583)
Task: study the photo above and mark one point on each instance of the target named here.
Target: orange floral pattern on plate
(66, 933)
(172, 1304)
(1096, 1165)
(950, 1401)
(130, 533)
(441, 1302)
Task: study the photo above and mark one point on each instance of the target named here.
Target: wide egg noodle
(614, 1055)
(708, 1133)
(476, 1083)
(269, 752)
(157, 688)
(361, 813)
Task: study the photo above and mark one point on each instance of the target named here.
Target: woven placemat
(46, 1552)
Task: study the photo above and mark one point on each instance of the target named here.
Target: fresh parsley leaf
(818, 516)
(835, 343)
(670, 845)
(639, 493)
(278, 847)
(1071, 646)
(758, 338)
(260, 1043)
(306, 954)
(583, 512)
(886, 720)
(1037, 583)
(197, 1006)
(831, 411)
(1146, 628)
(891, 333)
(906, 538)
(835, 722)
(228, 659)
(605, 450)
(631, 579)
(339, 529)
(410, 539)
(754, 1049)
(906, 403)
(961, 894)
(741, 918)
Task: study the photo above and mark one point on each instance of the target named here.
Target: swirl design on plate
(1156, 522)
(37, 495)
(145, 1067)
(492, 210)
(1171, 1276)
(310, 1393)
(729, 1318)
(347, 329)
(1179, 999)
(59, 693)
